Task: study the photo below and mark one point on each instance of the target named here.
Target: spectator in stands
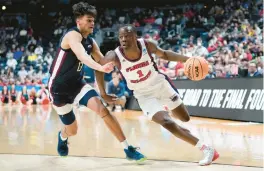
(260, 65)
(162, 65)
(181, 74)
(1, 82)
(200, 50)
(116, 88)
(211, 73)
(18, 54)
(9, 54)
(219, 73)
(32, 59)
(22, 73)
(252, 70)
(48, 58)
(31, 71)
(38, 51)
(11, 63)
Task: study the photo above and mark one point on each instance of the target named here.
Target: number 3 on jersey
(140, 74)
(80, 66)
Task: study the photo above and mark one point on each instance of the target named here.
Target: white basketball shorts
(155, 98)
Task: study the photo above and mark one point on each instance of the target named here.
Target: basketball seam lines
(201, 66)
(193, 68)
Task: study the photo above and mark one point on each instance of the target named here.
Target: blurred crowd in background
(229, 36)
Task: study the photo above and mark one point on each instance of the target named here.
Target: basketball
(196, 68)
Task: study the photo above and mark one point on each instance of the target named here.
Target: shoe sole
(216, 156)
(140, 161)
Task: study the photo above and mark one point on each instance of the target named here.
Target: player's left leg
(171, 98)
(88, 97)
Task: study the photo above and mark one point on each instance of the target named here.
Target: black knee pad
(68, 118)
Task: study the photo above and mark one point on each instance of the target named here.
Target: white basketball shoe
(210, 155)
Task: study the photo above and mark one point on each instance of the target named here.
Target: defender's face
(86, 23)
(126, 39)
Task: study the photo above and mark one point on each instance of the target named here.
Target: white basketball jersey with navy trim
(141, 73)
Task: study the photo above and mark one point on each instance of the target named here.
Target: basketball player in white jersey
(151, 88)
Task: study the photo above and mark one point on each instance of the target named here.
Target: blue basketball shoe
(62, 148)
(133, 154)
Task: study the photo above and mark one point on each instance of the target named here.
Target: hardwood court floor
(28, 140)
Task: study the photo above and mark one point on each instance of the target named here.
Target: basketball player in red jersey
(66, 84)
(151, 88)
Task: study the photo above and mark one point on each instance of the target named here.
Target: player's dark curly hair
(83, 8)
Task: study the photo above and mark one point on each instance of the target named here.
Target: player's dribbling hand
(110, 99)
(107, 68)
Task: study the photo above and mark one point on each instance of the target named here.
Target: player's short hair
(129, 28)
(83, 8)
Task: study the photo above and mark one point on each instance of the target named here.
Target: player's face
(86, 23)
(126, 38)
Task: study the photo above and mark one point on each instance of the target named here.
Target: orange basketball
(196, 68)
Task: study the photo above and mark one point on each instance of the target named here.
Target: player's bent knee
(185, 118)
(68, 118)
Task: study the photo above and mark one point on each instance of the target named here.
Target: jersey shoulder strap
(143, 46)
(71, 29)
(119, 53)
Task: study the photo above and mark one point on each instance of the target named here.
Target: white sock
(63, 139)
(125, 144)
(200, 145)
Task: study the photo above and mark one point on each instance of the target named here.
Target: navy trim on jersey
(151, 57)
